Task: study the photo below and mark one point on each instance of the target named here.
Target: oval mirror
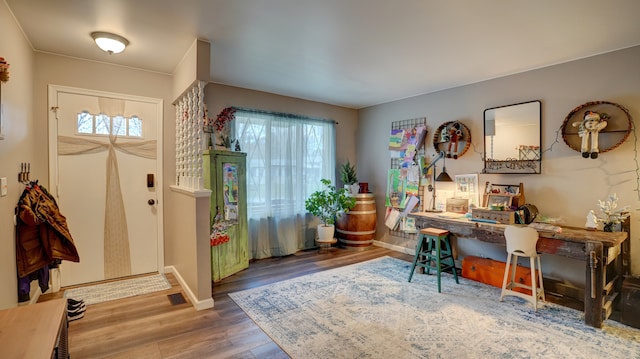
(512, 138)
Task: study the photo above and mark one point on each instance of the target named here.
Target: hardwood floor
(149, 326)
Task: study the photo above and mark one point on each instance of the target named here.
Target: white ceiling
(352, 53)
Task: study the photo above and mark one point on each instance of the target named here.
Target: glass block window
(103, 125)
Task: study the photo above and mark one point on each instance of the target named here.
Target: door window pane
(119, 126)
(85, 122)
(102, 124)
(135, 127)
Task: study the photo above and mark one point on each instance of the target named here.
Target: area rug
(369, 310)
(103, 292)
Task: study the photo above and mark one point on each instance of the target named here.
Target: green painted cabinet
(225, 176)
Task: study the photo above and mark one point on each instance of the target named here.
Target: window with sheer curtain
(287, 155)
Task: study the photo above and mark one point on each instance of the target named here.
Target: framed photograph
(457, 205)
(512, 190)
(499, 200)
(516, 191)
(467, 187)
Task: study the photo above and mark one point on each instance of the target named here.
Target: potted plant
(349, 177)
(327, 204)
(612, 215)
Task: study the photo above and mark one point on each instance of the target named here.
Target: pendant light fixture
(110, 43)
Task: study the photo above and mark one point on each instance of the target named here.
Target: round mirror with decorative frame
(615, 121)
(453, 138)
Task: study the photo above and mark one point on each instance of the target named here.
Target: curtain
(287, 155)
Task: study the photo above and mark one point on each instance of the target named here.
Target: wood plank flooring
(150, 327)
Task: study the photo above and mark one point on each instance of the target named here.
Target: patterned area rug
(369, 310)
(103, 292)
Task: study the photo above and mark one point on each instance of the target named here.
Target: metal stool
(432, 240)
(521, 242)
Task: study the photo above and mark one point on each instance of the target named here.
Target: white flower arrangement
(612, 215)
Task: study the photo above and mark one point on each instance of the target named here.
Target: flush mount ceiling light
(110, 43)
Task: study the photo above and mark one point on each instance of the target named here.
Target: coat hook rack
(25, 170)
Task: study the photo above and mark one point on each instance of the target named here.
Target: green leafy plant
(348, 173)
(329, 202)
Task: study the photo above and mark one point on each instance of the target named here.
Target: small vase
(608, 227)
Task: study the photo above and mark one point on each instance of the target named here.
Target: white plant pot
(352, 189)
(325, 232)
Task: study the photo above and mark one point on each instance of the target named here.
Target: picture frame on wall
(467, 187)
(516, 191)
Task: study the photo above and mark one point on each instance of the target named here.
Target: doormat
(104, 292)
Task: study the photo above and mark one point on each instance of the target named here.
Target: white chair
(521, 242)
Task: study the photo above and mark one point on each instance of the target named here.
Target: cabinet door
(228, 202)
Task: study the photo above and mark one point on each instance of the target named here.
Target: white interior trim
(197, 304)
(394, 247)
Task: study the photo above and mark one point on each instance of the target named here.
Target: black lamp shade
(444, 177)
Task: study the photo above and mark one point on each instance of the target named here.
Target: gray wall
(569, 185)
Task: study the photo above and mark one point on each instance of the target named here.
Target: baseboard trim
(197, 304)
(209, 303)
(394, 247)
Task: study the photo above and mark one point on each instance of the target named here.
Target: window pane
(85, 122)
(102, 124)
(135, 127)
(315, 153)
(119, 126)
(286, 158)
(253, 138)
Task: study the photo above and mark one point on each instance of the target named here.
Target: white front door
(105, 172)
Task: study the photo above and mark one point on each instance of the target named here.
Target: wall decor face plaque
(616, 128)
